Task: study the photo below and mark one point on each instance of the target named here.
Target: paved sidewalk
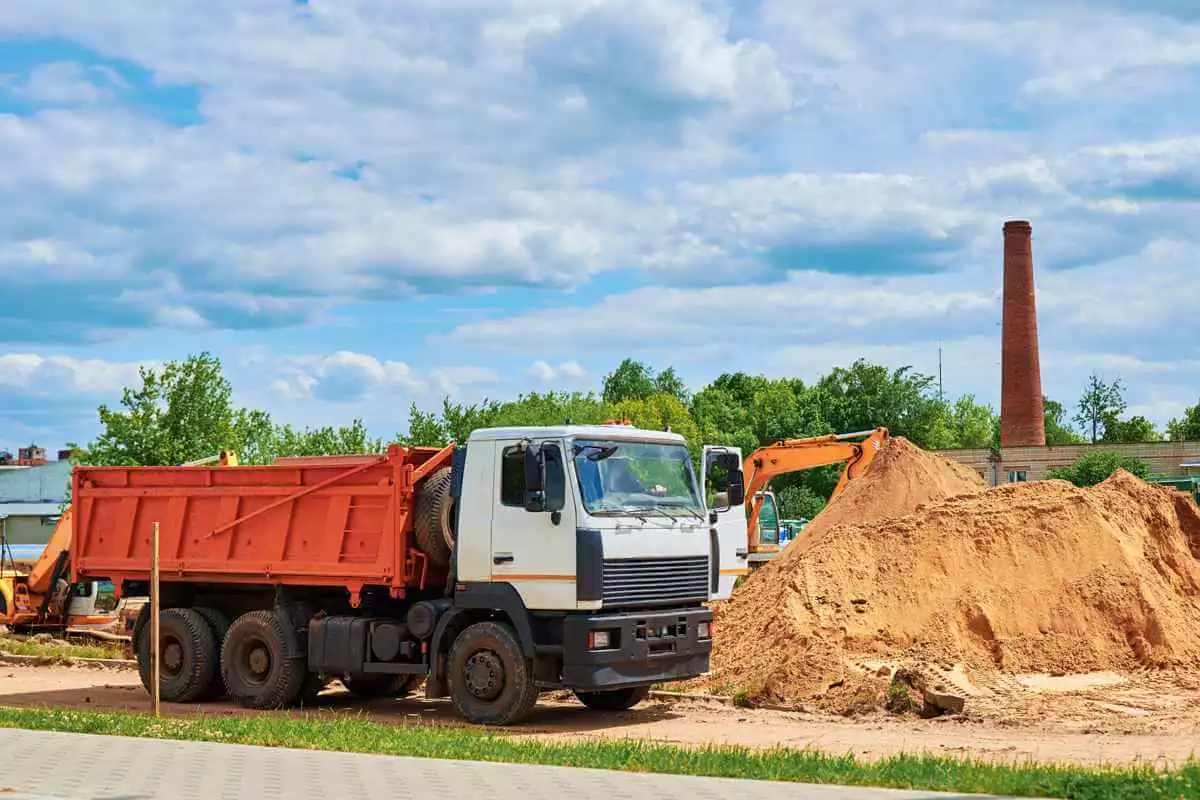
(40, 765)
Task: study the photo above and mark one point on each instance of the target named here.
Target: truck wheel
(614, 699)
(432, 528)
(383, 686)
(490, 680)
(219, 623)
(188, 654)
(253, 665)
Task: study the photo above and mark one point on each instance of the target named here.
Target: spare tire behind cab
(433, 515)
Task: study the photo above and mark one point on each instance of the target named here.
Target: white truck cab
(594, 542)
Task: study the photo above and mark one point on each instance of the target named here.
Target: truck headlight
(600, 640)
(704, 630)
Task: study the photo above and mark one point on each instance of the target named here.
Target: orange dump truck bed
(324, 521)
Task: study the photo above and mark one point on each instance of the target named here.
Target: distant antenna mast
(941, 393)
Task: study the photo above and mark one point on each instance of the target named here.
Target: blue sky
(358, 207)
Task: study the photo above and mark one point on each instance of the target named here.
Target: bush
(1096, 467)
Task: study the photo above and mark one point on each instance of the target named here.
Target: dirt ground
(1101, 718)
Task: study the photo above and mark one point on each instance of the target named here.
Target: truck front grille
(654, 581)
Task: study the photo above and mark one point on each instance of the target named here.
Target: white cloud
(68, 83)
(564, 372)
(47, 375)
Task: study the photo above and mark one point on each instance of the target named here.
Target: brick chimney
(1022, 419)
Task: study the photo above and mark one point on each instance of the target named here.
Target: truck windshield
(632, 478)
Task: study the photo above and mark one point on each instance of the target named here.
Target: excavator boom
(855, 450)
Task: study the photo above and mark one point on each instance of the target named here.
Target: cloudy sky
(358, 207)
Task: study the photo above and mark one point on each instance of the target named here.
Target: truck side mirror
(535, 496)
(737, 488)
(554, 481)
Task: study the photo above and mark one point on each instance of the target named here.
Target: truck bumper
(644, 647)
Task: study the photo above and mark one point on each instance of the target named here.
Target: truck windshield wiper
(663, 512)
(684, 507)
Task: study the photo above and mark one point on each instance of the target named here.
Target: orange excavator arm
(856, 450)
(53, 558)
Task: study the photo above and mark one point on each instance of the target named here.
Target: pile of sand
(1035, 577)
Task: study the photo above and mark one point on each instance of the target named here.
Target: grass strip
(339, 733)
(59, 649)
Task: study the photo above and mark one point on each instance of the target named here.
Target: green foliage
(1130, 431)
(353, 734)
(865, 396)
(1058, 429)
(1101, 402)
(631, 380)
(1187, 427)
(972, 424)
(184, 412)
(1093, 468)
(800, 502)
(455, 421)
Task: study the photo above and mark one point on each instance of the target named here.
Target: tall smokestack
(1022, 416)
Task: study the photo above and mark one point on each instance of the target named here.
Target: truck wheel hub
(172, 657)
(485, 675)
(260, 661)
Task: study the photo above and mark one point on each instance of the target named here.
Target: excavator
(747, 488)
(44, 599)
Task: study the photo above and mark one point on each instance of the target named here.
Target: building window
(1017, 476)
(512, 476)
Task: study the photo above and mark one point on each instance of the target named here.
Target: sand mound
(1036, 577)
(902, 478)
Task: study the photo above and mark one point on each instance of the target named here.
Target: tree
(1095, 467)
(972, 424)
(668, 382)
(182, 412)
(865, 396)
(1058, 430)
(631, 380)
(1130, 431)
(663, 411)
(1187, 427)
(799, 502)
(1101, 402)
(456, 420)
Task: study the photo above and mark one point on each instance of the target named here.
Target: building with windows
(30, 501)
(1178, 461)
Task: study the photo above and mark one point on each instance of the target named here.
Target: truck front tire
(490, 680)
(254, 666)
(187, 652)
(432, 526)
(614, 699)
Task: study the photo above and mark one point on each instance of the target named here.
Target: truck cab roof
(617, 432)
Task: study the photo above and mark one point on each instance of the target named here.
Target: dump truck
(573, 558)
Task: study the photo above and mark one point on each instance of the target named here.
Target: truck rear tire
(614, 699)
(491, 682)
(373, 687)
(188, 653)
(219, 623)
(254, 667)
(434, 510)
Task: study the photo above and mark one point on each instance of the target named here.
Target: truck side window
(512, 476)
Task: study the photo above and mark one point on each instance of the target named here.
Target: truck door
(529, 549)
(721, 464)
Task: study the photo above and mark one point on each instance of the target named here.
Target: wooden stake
(155, 655)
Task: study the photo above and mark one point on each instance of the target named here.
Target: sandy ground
(1086, 720)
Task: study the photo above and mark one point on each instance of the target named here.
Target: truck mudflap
(609, 651)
